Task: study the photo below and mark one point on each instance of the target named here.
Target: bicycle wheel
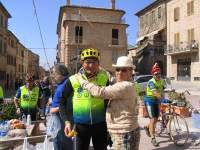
(178, 129)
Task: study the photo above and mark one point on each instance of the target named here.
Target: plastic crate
(196, 120)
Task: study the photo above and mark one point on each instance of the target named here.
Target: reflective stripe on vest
(29, 100)
(159, 87)
(86, 108)
(1, 92)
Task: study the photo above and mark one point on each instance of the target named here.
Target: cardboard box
(182, 111)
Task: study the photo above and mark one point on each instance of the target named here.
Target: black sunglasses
(121, 69)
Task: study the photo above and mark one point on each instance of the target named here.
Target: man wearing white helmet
(121, 118)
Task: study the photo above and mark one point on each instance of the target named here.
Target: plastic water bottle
(24, 118)
(28, 119)
(47, 110)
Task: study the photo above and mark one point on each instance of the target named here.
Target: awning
(148, 35)
(140, 49)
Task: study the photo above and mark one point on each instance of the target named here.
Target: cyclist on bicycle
(154, 94)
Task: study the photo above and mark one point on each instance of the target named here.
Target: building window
(5, 47)
(146, 19)
(190, 8)
(6, 23)
(153, 17)
(191, 35)
(78, 34)
(176, 14)
(115, 36)
(176, 39)
(159, 12)
(12, 43)
(141, 21)
(1, 20)
(1, 46)
(22, 53)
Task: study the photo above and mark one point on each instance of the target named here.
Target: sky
(24, 24)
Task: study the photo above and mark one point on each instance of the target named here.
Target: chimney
(113, 4)
(68, 2)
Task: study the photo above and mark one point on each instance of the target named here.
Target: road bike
(171, 123)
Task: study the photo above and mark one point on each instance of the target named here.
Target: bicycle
(174, 124)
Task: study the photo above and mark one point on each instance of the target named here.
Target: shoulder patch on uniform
(151, 85)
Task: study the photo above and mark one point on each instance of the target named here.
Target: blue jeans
(61, 142)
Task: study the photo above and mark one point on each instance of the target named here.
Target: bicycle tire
(178, 129)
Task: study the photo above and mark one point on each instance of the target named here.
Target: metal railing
(182, 47)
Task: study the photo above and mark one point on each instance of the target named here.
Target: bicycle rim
(179, 131)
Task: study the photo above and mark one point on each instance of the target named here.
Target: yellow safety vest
(29, 100)
(86, 108)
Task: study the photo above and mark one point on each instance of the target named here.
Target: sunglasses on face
(157, 74)
(121, 69)
(91, 62)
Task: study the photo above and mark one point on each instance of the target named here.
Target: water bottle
(47, 110)
(28, 119)
(24, 118)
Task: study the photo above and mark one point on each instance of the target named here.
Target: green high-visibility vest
(86, 108)
(158, 86)
(1, 93)
(28, 100)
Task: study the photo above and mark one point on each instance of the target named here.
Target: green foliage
(8, 111)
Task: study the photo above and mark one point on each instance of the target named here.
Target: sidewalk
(181, 86)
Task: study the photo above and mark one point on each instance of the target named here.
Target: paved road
(164, 141)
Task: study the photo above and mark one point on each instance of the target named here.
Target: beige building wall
(149, 22)
(11, 60)
(4, 16)
(33, 63)
(181, 26)
(97, 24)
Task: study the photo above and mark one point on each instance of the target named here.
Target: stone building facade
(13, 55)
(33, 64)
(152, 37)
(4, 16)
(81, 27)
(183, 36)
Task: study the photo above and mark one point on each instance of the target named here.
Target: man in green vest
(88, 111)
(1, 95)
(154, 94)
(27, 98)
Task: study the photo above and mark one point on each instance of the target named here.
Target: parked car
(143, 80)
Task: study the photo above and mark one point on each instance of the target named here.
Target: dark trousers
(98, 133)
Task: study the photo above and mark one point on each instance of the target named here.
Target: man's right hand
(67, 129)
(18, 111)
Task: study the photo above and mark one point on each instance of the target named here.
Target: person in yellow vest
(1, 94)
(88, 111)
(154, 94)
(121, 117)
(27, 98)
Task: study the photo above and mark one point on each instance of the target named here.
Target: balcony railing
(183, 47)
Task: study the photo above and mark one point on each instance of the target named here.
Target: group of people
(97, 110)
